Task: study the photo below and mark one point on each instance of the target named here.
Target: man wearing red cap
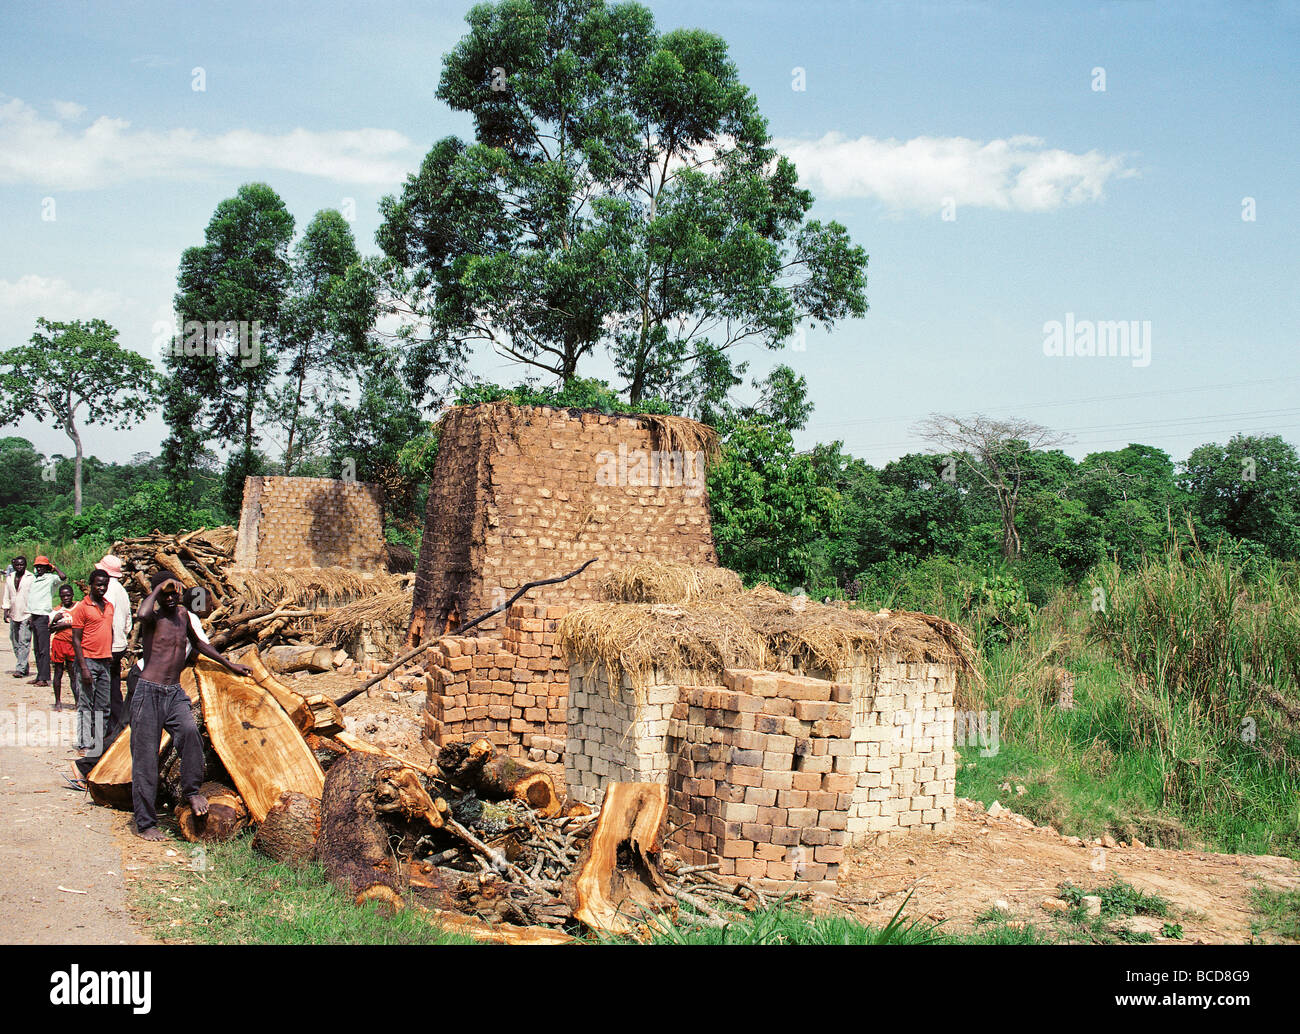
(122, 622)
(40, 601)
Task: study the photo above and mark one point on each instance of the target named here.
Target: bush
(577, 393)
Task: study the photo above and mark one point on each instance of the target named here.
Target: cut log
(110, 779)
(495, 933)
(476, 766)
(176, 568)
(226, 818)
(261, 748)
(353, 742)
(289, 832)
(505, 778)
(370, 801)
(293, 703)
(326, 718)
(617, 880)
(287, 659)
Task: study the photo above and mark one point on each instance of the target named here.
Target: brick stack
(512, 691)
(900, 733)
(614, 736)
(311, 522)
(524, 493)
(764, 777)
(903, 727)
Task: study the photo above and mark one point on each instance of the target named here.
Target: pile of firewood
(196, 558)
(483, 840)
(234, 616)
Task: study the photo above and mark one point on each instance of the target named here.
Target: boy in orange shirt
(92, 645)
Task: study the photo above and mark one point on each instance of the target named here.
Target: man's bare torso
(166, 639)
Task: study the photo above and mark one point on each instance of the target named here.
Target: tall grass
(1186, 725)
(1212, 654)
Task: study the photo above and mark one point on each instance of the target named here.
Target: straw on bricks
(511, 691)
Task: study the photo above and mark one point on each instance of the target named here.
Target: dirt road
(60, 854)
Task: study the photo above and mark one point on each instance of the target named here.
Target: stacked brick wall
(525, 493)
(900, 729)
(511, 690)
(311, 522)
(614, 736)
(763, 777)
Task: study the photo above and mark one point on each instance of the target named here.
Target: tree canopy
(621, 194)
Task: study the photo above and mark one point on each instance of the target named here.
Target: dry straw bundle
(648, 581)
(760, 628)
(304, 586)
(390, 609)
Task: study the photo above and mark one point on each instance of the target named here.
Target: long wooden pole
(412, 654)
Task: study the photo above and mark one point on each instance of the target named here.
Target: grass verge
(237, 896)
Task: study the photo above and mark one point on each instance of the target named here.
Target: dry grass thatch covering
(760, 628)
(651, 581)
(308, 586)
(391, 609)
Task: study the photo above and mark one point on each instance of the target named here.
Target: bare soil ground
(66, 881)
(957, 876)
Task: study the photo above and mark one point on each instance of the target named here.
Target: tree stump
(226, 818)
(288, 833)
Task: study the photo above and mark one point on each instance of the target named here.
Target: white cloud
(68, 110)
(22, 300)
(1016, 174)
(50, 155)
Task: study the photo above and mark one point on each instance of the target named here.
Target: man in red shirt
(92, 646)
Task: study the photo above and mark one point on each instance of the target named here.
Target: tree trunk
(476, 766)
(76, 467)
(617, 875)
(261, 748)
(226, 818)
(289, 832)
(287, 659)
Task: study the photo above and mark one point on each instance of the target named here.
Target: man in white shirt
(17, 586)
(122, 622)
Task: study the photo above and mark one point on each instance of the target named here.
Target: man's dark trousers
(41, 638)
(153, 709)
(118, 714)
(92, 713)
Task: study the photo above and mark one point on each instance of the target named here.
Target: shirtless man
(159, 703)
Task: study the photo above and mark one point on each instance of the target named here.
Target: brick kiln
(292, 522)
(770, 773)
(525, 493)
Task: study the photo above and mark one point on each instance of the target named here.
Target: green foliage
(621, 194)
(220, 370)
(73, 367)
(770, 507)
(1249, 490)
(1278, 911)
(239, 896)
(576, 393)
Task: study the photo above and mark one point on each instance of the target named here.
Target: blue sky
(1122, 204)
